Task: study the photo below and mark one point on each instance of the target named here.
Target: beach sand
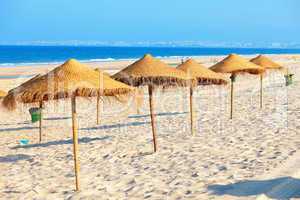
(254, 156)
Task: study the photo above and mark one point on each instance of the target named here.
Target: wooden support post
(261, 91)
(137, 105)
(150, 90)
(139, 100)
(192, 111)
(75, 142)
(98, 109)
(98, 95)
(40, 122)
(231, 100)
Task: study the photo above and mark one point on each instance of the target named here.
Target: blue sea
(24, 55)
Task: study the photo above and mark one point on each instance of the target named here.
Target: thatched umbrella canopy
(152, 72)
(2, 94)
(203, 75)
(69, 80)
(267, 64)
(235, 64)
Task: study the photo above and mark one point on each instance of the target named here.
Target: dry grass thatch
(71, 78)
(2, 94)
(203, 75)
(152, 71)
(236, 64)
(266, 62)
(102, 72)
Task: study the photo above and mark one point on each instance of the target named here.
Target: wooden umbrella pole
(150, 90)
(137, 106)
(40, 122)
(75, 142)
(98, 109)
(138, 101)
(98, 98)
(231, 100)
(191, 110)
(261, 91)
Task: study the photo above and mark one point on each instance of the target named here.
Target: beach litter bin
(288, 79)
(35, 114)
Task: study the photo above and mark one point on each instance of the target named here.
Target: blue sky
(155, 20)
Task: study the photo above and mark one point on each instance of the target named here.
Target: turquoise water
(14, 76)
(22, 55)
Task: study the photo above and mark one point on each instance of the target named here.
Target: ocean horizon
(12, 55)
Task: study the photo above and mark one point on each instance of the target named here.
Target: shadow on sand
(18, 129)
(158, 114)
(283, 188)
(20, 123)
(61, 142)
(14, 158)
(56, 118)
(115, 126)
(143, 154)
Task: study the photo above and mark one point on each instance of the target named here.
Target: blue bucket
(24, 142)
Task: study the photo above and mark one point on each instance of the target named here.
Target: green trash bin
(288, 79)
(36, 114)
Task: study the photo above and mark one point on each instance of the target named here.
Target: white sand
(116, 157)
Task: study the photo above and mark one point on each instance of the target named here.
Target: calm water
(11, 55)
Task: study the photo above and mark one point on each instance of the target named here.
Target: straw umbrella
(70, 80)
(234, 65)
(203, 75)
(152, 72)
(267, 64)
